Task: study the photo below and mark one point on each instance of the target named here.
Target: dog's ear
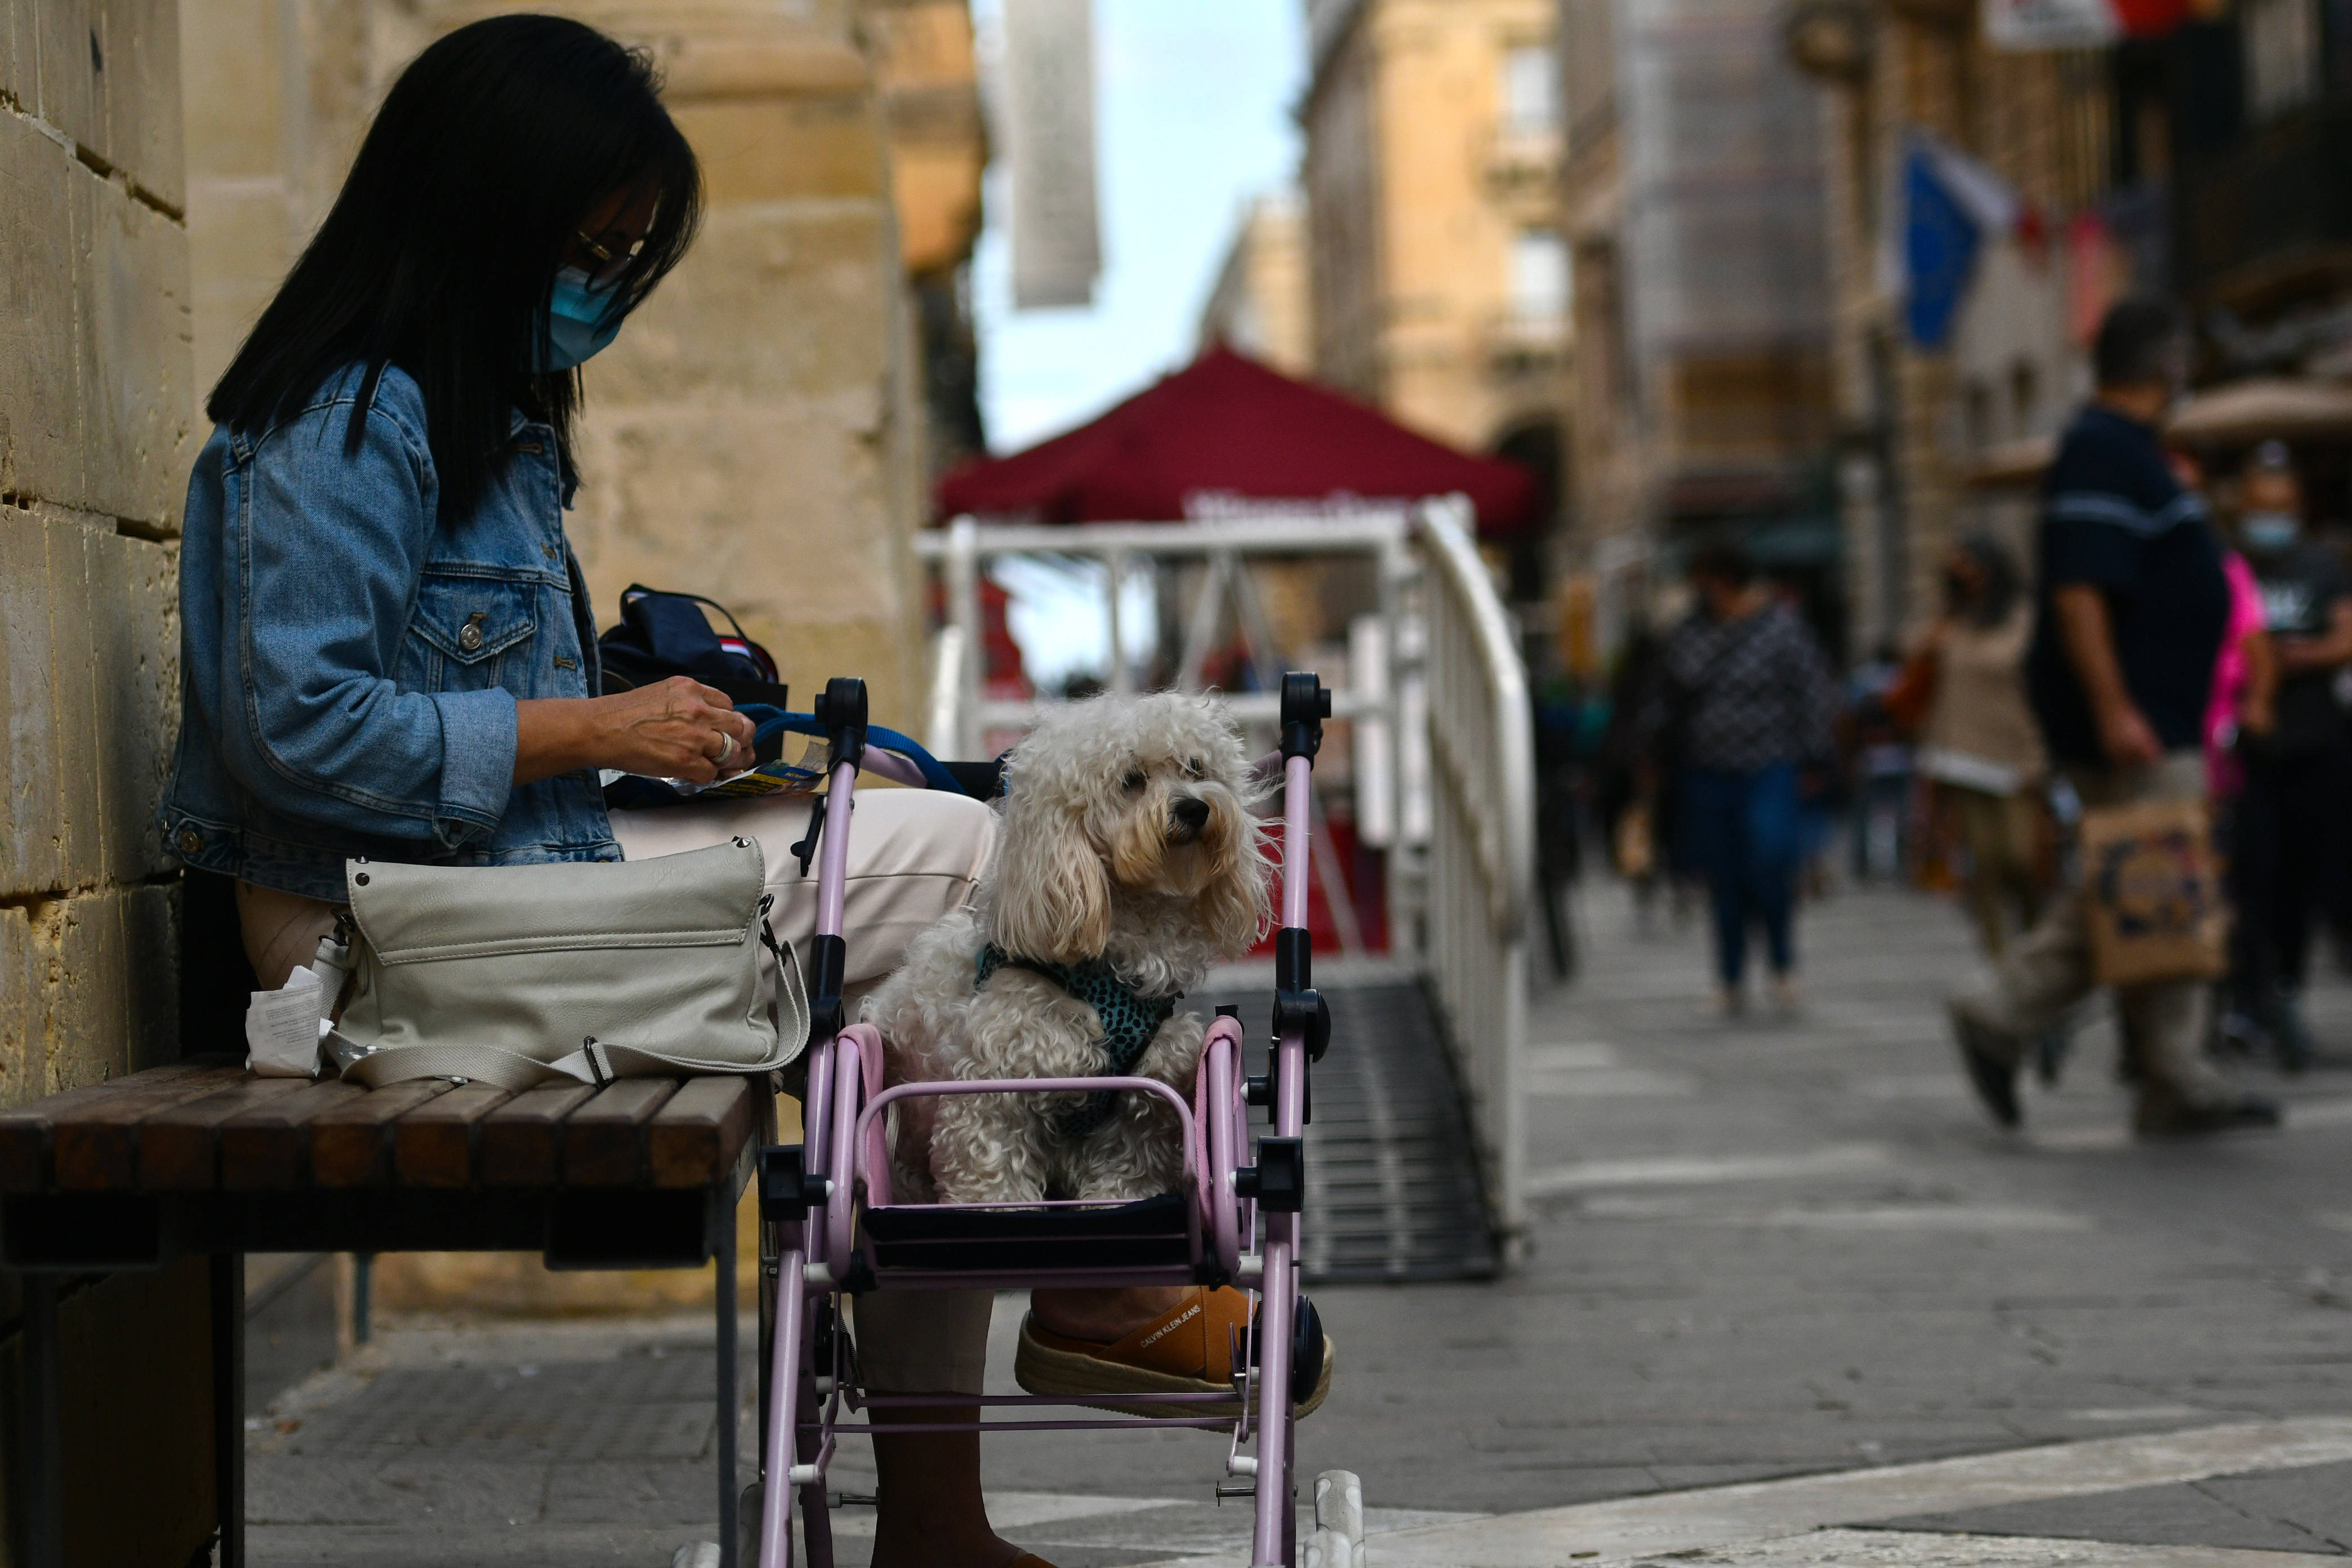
(1053, 895)
(1237, 906)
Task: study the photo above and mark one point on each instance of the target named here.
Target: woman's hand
(677, 729)
(2126, 736)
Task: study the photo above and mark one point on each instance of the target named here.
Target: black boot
(1990, 1058)
(2289, 1038)
(2164, 1114)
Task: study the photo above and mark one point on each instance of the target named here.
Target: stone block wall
(95, 440)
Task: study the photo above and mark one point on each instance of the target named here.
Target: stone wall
(95, 440)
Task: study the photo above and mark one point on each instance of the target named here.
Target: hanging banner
(1049, 135)
(2024, 26)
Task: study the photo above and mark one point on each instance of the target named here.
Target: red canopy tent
(1226, 426)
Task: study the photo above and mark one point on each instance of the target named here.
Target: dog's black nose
(1191, 813)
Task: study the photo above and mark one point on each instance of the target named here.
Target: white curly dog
(1130, 861)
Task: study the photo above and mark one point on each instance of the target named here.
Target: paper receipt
(281, 1027)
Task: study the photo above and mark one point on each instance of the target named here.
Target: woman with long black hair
(387, 649)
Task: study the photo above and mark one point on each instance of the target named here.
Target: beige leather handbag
(518, 975)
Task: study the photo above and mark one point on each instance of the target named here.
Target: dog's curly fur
(1105, 853)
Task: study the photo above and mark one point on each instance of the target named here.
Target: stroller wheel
(1339, 1538)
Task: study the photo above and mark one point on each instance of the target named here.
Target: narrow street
(1764, 1250)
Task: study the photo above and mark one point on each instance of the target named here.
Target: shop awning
(2264, 409)
(1223, 433)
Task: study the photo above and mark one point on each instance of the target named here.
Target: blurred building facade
(1692, 193)
(926, 70)
(1438, 282)
(1925, 428)
(2210, 161)
(1261, 304)
(2260, 116)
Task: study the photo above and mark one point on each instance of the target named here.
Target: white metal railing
(942, 714)
(1444, 748)
(1482, 854)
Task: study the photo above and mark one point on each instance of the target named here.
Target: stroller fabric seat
(1143, 1233)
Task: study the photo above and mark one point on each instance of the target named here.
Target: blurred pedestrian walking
(2298, 774)
(1980, 743)
(1743, 711)
(2239, 717)
(1633, 803)
(2245, 687)
(2131, 609)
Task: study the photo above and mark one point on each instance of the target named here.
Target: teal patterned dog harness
(1128, 1023)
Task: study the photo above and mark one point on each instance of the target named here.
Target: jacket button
(191, 841)
(470, 638)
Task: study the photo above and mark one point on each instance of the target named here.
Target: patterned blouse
(1750, 692)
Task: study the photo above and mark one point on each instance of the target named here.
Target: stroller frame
(830, 1226)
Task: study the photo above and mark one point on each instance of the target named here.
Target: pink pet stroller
(832, 1225)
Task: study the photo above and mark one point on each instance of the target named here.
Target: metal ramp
(1393, 1191)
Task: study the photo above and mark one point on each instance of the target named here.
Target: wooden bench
(201, 1156)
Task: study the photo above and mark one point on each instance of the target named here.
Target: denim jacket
(351, 659)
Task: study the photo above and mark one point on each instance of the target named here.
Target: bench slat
(604, 1141)
(177, 1147)
(351, 1145)
(98, 1143)
(433, 1145)
(694, 1138)
(27, 1132)
(268, 1149)
(520, 1142)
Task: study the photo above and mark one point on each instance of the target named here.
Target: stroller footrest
(1144, 1233)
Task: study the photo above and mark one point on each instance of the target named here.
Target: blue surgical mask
(577, 330)
(2267, 532)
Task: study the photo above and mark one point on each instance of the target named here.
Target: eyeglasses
(609, 263)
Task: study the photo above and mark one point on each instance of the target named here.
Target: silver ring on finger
(726, 749)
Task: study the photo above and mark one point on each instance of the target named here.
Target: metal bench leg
(726, 1402)
(45, 1543)
(229, 1403)
(363, 1297)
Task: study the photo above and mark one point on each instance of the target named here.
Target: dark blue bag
(664, 634)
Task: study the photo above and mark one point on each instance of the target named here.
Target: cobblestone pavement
(1765, 1254)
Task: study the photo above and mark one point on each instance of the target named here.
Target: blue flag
(1939, 248)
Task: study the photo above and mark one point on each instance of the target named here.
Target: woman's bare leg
(927, 1508)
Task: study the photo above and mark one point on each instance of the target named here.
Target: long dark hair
(489, 153)
(2001, 585)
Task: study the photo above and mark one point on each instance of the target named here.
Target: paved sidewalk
(1777, 1258)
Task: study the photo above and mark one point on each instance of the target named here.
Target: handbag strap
(595, 1062)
